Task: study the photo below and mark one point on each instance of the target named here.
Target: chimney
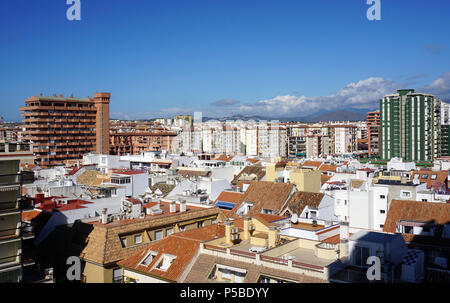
(228, 231)
(182, 206)
(173, 207)
(104, 216)
(273, 236)
(247, 222)
(344, 236)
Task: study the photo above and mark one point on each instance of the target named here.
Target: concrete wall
(140, 278)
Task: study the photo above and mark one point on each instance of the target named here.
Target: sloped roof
(301, 199)
(182, 245)
(186, 172)
(314, 164)
(356, 183)
(104, 244)
(265, 195)
(440, 181)
(416, 211)
(229, 196)
(437, 213)
(257, 170)
(204, 264)
(163, 187)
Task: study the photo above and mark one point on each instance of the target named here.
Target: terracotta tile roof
(329, 167)
(224, 157)
(246, 172)
(265, 195)
(437, 213)
(193, 173)
(183, 249)
(90, 178)
(163, 187)
(268, 218)
(205, 263)
(355, 183)
(324, 179)
(314, 164)
(253, 160)
(203, 234)
(133, 200)
(417, 211)
(29, 215)
(104, 244)
(301, 199)
(229, 196)
(182, 245)
(439, 183)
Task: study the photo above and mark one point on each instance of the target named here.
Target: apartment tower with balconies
(63, 129)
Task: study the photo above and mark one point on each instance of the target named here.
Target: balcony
(24, 177)
(18, 233)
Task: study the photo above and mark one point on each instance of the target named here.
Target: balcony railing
(18, 232)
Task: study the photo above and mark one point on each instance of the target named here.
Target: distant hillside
(340, 115)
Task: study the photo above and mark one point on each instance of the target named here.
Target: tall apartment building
(63, 129)
(373, 129)
(343, 139)
(134, 143)
(410, 126)
(13, 233)
(317, 146)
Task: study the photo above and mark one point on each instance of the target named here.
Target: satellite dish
(294, 218)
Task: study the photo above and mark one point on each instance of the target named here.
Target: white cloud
(364, 94)
(439, 87)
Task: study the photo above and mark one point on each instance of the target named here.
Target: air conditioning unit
(235, 230)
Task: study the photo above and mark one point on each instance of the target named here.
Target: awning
(225, 205)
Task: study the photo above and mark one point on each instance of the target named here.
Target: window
(123, 241)
(169, 231)
(382, 211)
(200, 224)
(433, 177)
(150, 257)
(213, 221)
(408, 229)
(137, 239)
(405, 194)
(158, 234)
(381, 225)
(117, 275)
(424, 200)
(239, 277)
(265, 280)
(226, 274)
(268, 211)
(425, 176)
(165, 262)
(182, 228)
(382, 197)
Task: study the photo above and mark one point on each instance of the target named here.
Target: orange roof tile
(229, 196)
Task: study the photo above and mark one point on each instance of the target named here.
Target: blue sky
(279, 58)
